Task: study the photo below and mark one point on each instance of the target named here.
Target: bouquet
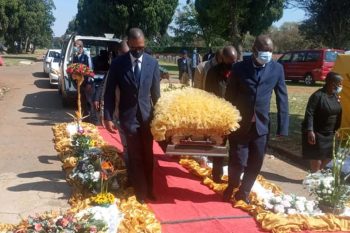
(78, 68)
(328, 186)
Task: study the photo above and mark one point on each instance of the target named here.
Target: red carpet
(184, 205)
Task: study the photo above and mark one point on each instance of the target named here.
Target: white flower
(300, 206)
(287, 198)
(279, 209)
(286, 203)
(96, 176)
(277, 199)
(302, 199)
(291, 211)
(310, 206)
(71, 129)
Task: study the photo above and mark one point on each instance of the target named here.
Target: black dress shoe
(227, 194)
(140, 200)
(239, 197)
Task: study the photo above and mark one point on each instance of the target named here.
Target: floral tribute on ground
(279, 212)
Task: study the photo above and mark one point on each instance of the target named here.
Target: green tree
(26, 22)
(233, 20)
(288, 37)
(117, 16)
(327, 22)
(189, 32)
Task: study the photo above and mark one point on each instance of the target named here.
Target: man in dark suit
(184, 66)
(136, 74)
(250, 90)
(216, 82)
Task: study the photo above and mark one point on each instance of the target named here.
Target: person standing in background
(322, 119)
(196, 59)
(88, 87)
(184, 66)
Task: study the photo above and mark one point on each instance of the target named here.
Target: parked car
(50, 54)
(2, 62)
(98, 48)
(308, 65)
(54, 71)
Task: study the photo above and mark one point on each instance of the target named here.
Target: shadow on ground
(39, 75)
(276, 177)
(45, 107)
(45, 159)
(44, 186)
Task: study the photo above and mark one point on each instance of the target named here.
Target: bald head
(136, 42)
(229, 55)
(263, 43)
(135, 33)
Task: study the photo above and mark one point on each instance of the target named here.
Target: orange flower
(106, 165)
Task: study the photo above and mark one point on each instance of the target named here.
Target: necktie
(137, 71)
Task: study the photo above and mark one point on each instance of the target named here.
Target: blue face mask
(75, 49)
(264, 57)
(338, 90)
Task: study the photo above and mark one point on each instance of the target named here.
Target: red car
(2, 62)
(308, 65)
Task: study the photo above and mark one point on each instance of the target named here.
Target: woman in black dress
(322, 120)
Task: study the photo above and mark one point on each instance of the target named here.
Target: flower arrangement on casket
(192, 112)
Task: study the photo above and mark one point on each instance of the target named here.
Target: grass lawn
(171, 68)
(15, 59)
(298, 95)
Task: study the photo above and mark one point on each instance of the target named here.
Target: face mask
(338, 90)
(264, 57)
(75, 49)
(136, 53)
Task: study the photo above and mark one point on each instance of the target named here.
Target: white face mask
(264, 57)
(338, 90)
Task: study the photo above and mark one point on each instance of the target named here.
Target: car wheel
(309, 80)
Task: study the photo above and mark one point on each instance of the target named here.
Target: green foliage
(96, 17)
(328, 21)
(232, 20)
(288, 37)
(26, 21)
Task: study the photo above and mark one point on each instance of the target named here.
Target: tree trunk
(235, 34)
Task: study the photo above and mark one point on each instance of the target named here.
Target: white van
(98, 48)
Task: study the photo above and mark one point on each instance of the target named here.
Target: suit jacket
(252, 96)
(184, 67)
(136, 99)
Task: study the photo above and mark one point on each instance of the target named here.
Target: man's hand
(311, 137)
(109, 125)
(97, 105)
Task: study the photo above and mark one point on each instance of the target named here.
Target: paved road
(31, 179)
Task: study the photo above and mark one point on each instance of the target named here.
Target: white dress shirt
(133, 62)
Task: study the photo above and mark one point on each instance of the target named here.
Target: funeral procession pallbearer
(216, 83)
(136, 74)
(250, 89)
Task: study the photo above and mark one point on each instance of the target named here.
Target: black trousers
(246, 155)
(140, 160)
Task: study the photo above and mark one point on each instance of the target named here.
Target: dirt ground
(31, 179)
